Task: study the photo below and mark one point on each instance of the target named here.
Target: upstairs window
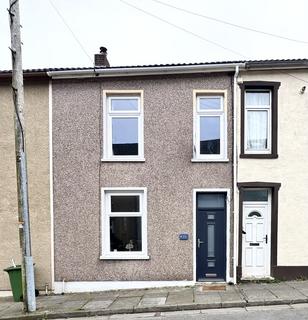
(259, 116)
(123, 126)
(258, 121)
(210, 127)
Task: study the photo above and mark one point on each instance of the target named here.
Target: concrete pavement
(281, 312)
(159, 300)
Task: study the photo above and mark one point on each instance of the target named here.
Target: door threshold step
(212, 287)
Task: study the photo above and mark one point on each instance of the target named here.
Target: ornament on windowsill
(130, 245)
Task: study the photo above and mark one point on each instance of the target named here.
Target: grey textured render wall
(167, 172)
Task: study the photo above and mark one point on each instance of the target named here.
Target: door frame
(228, 233)
(268, 203)
(274, 186)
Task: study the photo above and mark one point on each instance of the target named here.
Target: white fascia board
(139, 71)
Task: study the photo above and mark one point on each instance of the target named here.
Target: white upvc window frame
(109, 114)
(106, 213)
(221, 113)
(267, 108)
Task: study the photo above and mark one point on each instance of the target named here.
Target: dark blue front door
(211, 237)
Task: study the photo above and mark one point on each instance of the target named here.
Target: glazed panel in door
(256, 241)
(211, 238)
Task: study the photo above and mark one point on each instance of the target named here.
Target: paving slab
(125, 303)
(152, 301)
(4, 306)
(14, 309)
(97, 304)
(181, 297)
(232, 299)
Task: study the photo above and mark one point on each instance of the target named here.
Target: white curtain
(257, 99)
(257, 133)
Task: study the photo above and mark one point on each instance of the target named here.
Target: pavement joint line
(85, 304)
(116, 299)
(273, 293)
(245, 297)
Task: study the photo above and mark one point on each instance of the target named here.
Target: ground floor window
(124, 223)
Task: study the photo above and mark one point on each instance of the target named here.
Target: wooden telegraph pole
(21, 161)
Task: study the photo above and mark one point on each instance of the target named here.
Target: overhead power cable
(183, 29)
(71, 31)
(230, 23)
(202, 38)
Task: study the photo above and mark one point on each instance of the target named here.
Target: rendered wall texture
(36, 118)
(167, 172)
(290, 169)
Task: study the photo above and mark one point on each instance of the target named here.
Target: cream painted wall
(36, 111)
(291, 167)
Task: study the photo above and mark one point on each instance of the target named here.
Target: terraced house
(37, 137)
(177, 174)
(142, 168)
(272, 173)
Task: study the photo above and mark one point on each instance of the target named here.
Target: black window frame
(261, 85)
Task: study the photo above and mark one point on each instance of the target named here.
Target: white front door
(256, 240)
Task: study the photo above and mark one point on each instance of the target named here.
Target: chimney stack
(100, 59)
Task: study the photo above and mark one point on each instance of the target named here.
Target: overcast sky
(133, 37)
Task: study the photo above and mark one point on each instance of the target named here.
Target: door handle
(265, 239)
(199, 242)
(243, 232)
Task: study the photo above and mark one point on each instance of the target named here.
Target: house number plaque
(183, 236)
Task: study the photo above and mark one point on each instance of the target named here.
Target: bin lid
(18, 267)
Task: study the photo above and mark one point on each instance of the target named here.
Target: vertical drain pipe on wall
(235, 198)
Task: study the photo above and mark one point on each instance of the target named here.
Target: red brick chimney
(100, 59)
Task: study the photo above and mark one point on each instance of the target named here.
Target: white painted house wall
(291, 167)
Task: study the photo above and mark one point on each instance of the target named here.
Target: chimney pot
(103, 50)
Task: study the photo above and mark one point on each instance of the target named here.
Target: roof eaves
(277, 64)
(146, 70)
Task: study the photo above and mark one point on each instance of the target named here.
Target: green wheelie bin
(16, 282)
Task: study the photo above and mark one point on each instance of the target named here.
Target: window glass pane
(209, 135)
(257, 98)
(257, 130)
(124, 104)
(125, 136)
(124, 203)
(125, 234)
(211, 200)
(255, 195)
(210, 103)
(211, 240)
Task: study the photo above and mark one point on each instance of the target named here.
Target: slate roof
(249, 63)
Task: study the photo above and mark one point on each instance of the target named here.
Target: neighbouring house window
(123, 126)
(124, 224)
(259, 119)
(210, 127)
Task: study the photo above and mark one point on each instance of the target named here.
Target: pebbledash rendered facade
(153, 188)
(168, 175)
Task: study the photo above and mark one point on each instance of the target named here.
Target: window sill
(258, 156)
(119, 257)
(209, 160)
(123, 160)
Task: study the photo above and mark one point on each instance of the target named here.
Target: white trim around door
(228, 235)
